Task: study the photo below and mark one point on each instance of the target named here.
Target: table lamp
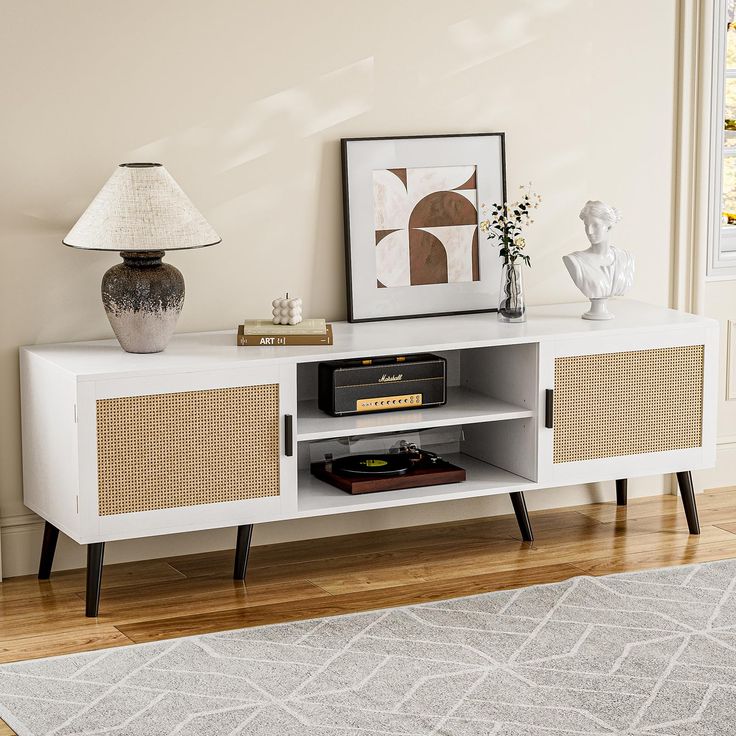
(142, 212)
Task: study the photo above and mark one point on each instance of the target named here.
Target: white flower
(520, 242)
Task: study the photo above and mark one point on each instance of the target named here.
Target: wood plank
(727, 526)
(49, 614)
(448, 535)
(403, 564)
(166, 628)
(617, 542)
(524, 557)
(721, 489)
(5, 730)
(411, 560)
(73, 581)
(65, 612)
(662, 557)
(425, 567)
(66, 642)
(374, 559)
(711, 505)
(196, 596)
(339, 547)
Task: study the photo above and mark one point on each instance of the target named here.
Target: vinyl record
(381, 465)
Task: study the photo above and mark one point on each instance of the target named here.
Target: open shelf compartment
(484, 385)
(492, 400)
(498, 457)
(316, 498)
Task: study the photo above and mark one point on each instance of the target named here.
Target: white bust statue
(600, 271)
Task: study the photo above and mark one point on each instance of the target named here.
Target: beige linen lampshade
(142, 212)
(141, 208)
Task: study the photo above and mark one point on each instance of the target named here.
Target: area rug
(648, 653)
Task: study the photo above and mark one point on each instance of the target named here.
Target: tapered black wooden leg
(522, 516)
(48, 549)
(242, 550)
(95, 554)
(622, 488)
(685, 481)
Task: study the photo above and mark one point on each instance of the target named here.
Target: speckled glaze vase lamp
(142, 212)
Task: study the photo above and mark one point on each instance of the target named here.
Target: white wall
(245, 102)
(720, 303)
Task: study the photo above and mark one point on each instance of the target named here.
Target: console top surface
(217, 350)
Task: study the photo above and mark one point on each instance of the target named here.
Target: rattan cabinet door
(621, 410)
(191, 451)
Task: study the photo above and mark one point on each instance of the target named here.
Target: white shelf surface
(104, 359)
(463, 407)
(317, 498)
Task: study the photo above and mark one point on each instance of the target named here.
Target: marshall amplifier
(382, 384)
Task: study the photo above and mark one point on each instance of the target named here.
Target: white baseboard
(21, 535)
(724, 472)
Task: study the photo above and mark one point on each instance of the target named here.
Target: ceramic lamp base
(598, 310)
(143, 298)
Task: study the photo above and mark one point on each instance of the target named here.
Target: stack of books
(263, 333)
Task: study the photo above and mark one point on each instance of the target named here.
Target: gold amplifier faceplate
(381, 403)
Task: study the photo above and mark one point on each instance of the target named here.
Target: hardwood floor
(180, 596)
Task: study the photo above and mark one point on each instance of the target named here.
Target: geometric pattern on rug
(650, 653)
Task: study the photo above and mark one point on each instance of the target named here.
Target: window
(722, 260)
(728, 169)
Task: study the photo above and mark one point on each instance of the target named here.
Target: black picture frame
(348, 241)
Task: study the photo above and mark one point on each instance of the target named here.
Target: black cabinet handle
(549, 405)
(288, 435)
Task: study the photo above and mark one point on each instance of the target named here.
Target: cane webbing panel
(183, 449)
(615, 404)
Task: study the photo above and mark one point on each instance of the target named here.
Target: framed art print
(412, 208)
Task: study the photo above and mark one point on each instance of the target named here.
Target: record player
(410, 467)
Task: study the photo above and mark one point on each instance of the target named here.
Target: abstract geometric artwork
(650, 653)
(426, 225)
(411, 208)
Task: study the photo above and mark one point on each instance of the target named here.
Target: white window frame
(721, 262)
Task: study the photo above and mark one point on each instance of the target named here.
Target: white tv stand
(207, 435)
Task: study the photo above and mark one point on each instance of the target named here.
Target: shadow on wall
(275, 161)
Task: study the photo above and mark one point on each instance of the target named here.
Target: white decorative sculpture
(287, 311)
(601, 271)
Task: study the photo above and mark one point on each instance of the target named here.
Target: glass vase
(511, 305)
